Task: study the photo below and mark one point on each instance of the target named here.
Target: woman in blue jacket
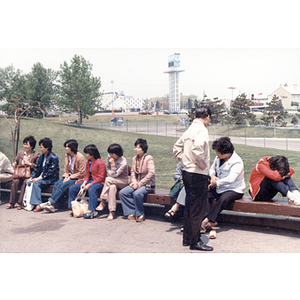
(45, 173)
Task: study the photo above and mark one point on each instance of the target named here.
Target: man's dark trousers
(196, 187)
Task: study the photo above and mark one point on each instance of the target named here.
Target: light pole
(275, 126)
(231, 88)
(112, 97)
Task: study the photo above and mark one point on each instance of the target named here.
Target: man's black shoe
(201, 246)
(185, 243)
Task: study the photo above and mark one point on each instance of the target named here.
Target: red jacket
(260, 171)
(98, 171)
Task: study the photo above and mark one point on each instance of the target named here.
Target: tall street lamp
(112, 97)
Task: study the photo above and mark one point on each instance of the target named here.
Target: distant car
(51, 115)
(145, 113)
(296, 126)
(167, 112)
(175, 112)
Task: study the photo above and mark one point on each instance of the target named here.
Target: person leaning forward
(192, 150)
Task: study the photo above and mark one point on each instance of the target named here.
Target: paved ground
(29, 232)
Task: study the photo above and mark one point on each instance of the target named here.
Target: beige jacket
(146, 172)
(192, 148)
(5, 166)
(79, 167)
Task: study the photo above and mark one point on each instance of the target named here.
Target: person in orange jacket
(270, 176)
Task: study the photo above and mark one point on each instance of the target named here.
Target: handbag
(175, 189)
(26, 198)
(22, 171)
(79, 207)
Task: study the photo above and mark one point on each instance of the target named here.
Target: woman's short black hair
(72, 144)
(281, 164)
(47, 143)
(143, 144)
(116, 149)
(92, 150)
(202, 112)
(31, 140)
(223, 145)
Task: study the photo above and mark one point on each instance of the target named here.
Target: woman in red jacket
(95, 174)
(270, 176)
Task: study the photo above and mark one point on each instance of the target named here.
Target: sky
(139, 72)
(252, 46)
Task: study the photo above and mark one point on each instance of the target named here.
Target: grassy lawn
(160, 147)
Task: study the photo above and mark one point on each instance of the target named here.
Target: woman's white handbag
(26, 198)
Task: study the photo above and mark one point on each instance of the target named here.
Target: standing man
(192, 150)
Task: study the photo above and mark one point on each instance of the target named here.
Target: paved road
(29, 232)
(172, 130)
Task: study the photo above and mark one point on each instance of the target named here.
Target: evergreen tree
(240, 110)
(294, 120)
(274, 108)
(217, 109)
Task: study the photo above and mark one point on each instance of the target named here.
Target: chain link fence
(287, 138)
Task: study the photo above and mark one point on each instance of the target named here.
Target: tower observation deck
(173, 70)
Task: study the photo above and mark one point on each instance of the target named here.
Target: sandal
(9, 206)
(169, 214)
(111, 216)
(38, 208)
(101, 206)
(19, 207)
(212, 234)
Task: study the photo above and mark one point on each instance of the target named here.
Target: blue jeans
(60, 188)
(132, 200)
(36, 193)
(92, 191)
(269, 188)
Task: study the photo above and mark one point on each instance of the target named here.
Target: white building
(133, 103)
(120, 102)
(174, 93)
(109, 101)
(289, 95)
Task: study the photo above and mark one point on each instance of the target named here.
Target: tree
(217, 109)
(274, 108)
(240, 110)
(13, 93)
(80, 91)
(41, 88)
(294, 120)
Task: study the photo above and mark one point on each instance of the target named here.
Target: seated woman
(227, 180)
(142, 174)
(27, 157)
(73, 171)
(117, 169)
(95, 174)
(270, 176)
(45, 173)
(180, 200)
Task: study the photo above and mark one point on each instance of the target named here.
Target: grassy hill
(160, 147)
